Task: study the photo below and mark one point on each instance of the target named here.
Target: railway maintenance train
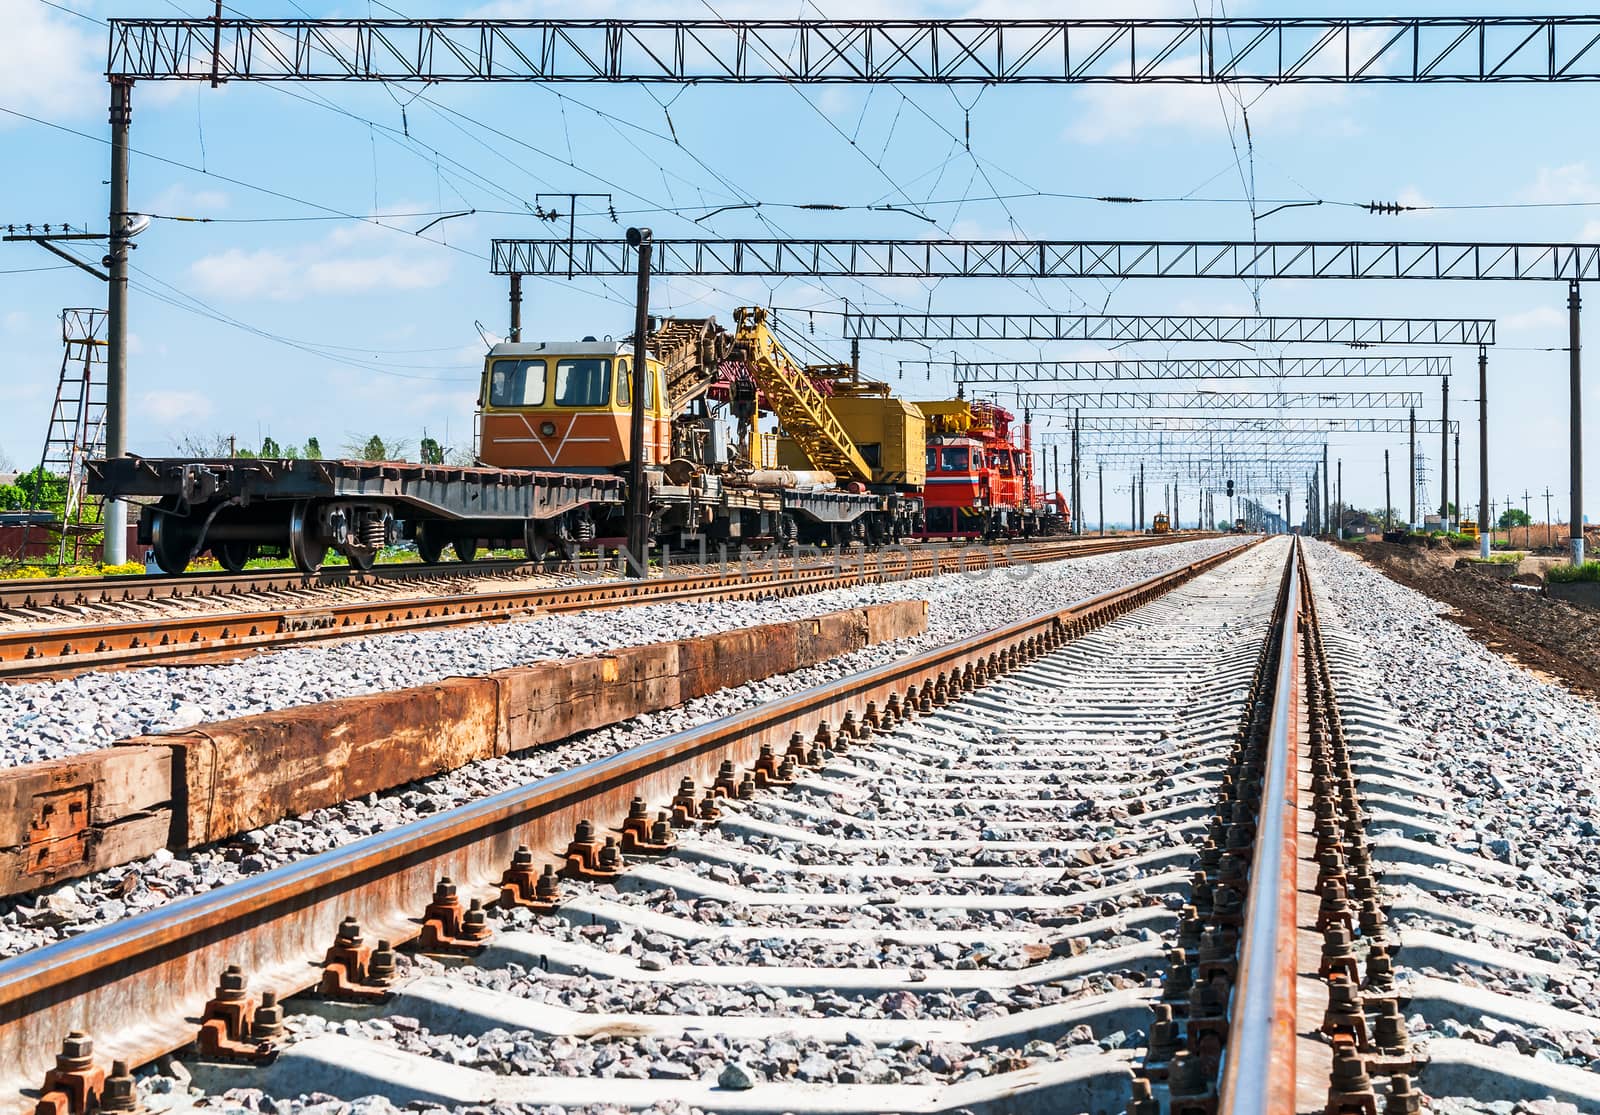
(847, 466)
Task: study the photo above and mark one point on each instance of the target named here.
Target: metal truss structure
(1207, 367)
(1124, 328)
(1164, 424)
(1222, 400)
(1367, 50)
(1058, 259)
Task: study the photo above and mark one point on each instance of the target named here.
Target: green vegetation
(1513, 517)
(1572, 574)
(33, 489)
(1504, 557)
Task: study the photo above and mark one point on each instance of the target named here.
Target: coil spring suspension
(374, 532)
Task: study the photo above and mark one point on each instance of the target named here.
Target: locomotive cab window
(1000, 462)
(625, 384)
(583, 382)
(516, 383)
(955, 460)
(933, 459)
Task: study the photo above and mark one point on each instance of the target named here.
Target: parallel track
(186, 636)
(137, 982)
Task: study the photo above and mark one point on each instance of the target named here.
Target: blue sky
(289, 315)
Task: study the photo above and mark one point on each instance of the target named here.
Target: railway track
(1112, 858)
(136, 635)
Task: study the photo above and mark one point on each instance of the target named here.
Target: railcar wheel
(233, 555)
(305, 548)
(430, 547)
(361, 558)
(466, 548)
(170, 543)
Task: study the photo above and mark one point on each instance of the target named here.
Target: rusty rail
(54, 650)
(1260, 1058)
(137, 985)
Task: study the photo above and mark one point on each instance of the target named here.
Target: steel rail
(38, 650)
(1258, 1075)
(47, 593)
(137, 985)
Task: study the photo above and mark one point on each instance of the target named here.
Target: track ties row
(959, 897)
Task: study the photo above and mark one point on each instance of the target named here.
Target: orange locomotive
(980, 481)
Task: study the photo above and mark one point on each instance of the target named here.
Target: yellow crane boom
(802, 410)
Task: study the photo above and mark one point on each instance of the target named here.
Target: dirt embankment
(1551, 636)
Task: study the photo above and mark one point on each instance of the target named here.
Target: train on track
(848, 464)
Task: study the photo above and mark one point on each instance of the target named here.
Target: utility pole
(638, 492)
(116, 512)
(1483, 451)
(1444, 457)
(1387, 503)
(1576, 419)
(1339, 531)
(515, 333)
(1102, 471)
(1527, 526)
(1141, 497)
(1327, 491)
(1547, 527)
(1458, 480)
(1133, 503)
(1077, 491)
(1055, 453)
(1411, 523)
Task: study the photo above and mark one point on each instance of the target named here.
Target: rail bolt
(644, 836)
(267, 1022)
(797, 747)
(1344, 1018)
(1380, 969)
(75, 1084)
(1179, 979)
(1334, 909)
(747, 787)
(683, 808)
(381, 967)
(1371, 919)
(727, 781)
(710, 812)
(870, 718)
(1390, 1033)
(1143, 1100)
(1338, 955)
(519, 886)
(352, 971)
(891, 709)
(1403, 1098)
(1164, 1039)
(1351, 1089)
(120, 1092)
(587, 858)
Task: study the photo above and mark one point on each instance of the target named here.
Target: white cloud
(175, 406)
(1538, 318)
(1107, 112)
(49, 62)
(14, 321)
(359, 259)
(178, 200)
(1568, 183)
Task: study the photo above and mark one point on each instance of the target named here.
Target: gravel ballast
(1517, 760)
(46, 719)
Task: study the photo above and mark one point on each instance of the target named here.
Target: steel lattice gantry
(1220, 400)
(1206, 367)
(1368, 50)
(1123, 328)
(1057, 259)
(1158, 423)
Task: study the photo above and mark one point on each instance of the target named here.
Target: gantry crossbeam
(1123, 328)
(1210, 367)
(1221, 400)
(1058, 259)
(1368, 50)
(1163, 424)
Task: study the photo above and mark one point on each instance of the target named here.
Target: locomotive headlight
(548, 429)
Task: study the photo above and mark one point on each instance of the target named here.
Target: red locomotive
(980, 481)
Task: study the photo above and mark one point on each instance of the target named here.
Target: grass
(1589, 571)
(1503, 557)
